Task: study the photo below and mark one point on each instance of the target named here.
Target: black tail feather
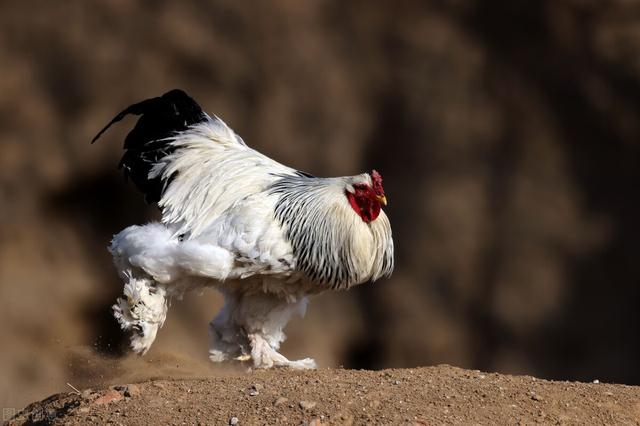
(147, 143)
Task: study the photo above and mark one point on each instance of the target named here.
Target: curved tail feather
(149, 141)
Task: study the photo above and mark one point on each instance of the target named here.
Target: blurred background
(507, 132)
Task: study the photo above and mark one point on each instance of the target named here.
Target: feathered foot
(142, 311)
(265, 356)
(251, 327)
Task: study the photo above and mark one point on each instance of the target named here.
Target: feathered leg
(228, 340)
(142, 311)
(253, 325)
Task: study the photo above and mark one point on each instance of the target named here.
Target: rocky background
(507, 132)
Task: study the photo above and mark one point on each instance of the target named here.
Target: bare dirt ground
(422, 396)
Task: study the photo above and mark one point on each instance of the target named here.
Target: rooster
(265, 235)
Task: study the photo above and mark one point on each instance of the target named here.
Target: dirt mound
(431, 395)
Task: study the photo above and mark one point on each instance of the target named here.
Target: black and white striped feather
(332, 245)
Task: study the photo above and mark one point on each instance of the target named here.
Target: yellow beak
(382, 199)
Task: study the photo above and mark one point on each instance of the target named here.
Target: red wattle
(365, 205)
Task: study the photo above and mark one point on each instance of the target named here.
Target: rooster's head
(366, 195)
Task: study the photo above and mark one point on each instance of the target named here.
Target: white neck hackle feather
(333, 245)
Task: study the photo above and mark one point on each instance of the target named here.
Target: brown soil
(434, 395)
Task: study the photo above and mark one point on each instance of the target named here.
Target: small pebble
(132, 390)
(233, 421)
(307, 405)
(253, 392)
(110, 396)
(280, 400)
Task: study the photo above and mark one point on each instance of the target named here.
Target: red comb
(377, 182)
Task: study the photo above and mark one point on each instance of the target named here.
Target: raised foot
(142, 311)
(142, 333)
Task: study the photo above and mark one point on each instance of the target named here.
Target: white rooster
(267, 236)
